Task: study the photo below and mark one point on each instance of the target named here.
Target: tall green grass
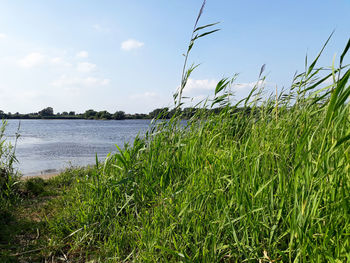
(8, 177)
(265, 180)
(271, 182)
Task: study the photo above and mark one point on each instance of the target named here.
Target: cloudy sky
(127, 55)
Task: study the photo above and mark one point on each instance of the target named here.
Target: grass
(265, 180)
(25, 234)
(269, 182)
(8, 181)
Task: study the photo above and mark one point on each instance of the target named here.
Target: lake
(48, 146)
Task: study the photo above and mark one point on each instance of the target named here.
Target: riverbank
(270, 183)
(42, 176)
(25, 233)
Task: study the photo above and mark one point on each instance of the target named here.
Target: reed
(240, 185)
(263, 180)
(8, 179)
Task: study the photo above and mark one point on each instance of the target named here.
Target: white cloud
(198, 90)
(131, 44)
(58, 61)
(85, 67)
(66, 81)
(82, 54)
(249, 85)
(3, 36)
(32, 60)
(199, 86)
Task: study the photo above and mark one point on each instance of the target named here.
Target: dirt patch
(43, 176)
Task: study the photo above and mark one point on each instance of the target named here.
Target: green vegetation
(9, 197)
(91, 114)
(24, 231)
(8, 177)
(48, 113)
(271, 185)
(265, 180)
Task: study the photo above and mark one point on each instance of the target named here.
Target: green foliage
(7, 159)
(8, 179)
(35, 186)
(90, 114)
(119, 115)
(103, 115)
(46, 112)
(268, 181)
(161, 112)
(197, 33)
(265, 180)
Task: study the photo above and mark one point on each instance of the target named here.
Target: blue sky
(127, 55)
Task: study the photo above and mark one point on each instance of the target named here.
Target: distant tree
(90, 114)
(46, 112)
(163, 111)
(64, 113)
(104, 115)
(140, 116)
(2, 114)
(189, 112)
(119, 115)
(71, 113)
(173, 112)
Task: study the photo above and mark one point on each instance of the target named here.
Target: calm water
(47, 146)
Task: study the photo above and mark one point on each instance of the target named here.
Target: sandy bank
(43, 176)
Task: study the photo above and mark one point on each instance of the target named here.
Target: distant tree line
(48, 113)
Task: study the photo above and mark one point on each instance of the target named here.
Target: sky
(127, 55)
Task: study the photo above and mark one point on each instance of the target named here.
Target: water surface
(48, 146)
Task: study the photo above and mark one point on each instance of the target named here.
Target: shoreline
(45, 176)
